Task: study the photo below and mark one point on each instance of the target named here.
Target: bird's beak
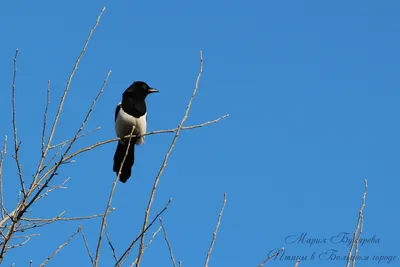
(152, 90)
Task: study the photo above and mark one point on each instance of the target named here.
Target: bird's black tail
(119, 157)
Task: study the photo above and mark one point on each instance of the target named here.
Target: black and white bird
(131, 112)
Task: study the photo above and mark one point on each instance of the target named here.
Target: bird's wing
(141, 125)
(116, 111)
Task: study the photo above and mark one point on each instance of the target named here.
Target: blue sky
(312, 90)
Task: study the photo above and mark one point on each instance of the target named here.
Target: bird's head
(139, 90)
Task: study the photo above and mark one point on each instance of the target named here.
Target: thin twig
(24, 242)
(111, 246)
(60, 247)
(53, 188)
(87, 246)
(38, 224)
(215, 231)
(270, 257)
(14, 121)
(58, 218)
(45, 116)
(127, 251)
(358, 229)
(153, 192)
(80, 136)
(52, 159)
(2, 157)
(152, 237)
(189, 127)
(168, 244)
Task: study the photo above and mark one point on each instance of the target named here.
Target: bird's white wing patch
(141, 124)
(124, 123)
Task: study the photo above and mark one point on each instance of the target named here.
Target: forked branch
(14, 121)
(38, 184)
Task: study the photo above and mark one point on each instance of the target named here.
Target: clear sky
(313, 93)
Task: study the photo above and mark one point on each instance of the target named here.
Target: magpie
(130, 112)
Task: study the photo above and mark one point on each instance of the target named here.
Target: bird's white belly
(125, 122)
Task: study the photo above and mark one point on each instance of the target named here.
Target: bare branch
(152, 237)
(52, 159)
(215, 231)
(77, 135)
(103, 223)
(149, 133)
(45, 220)
(145, 247)
(63, 143)
(168, 244)
(7, 238)
(24, 242)
(54, 169)
(45, 194)
(60, 107)
(45, 116)
(112, 247)
(60, 247)
(87, 246)
(189, 127)
(59, 218)
(126, 253)
(153, 192)
(358, 229)
(270, 257)
(146, 134)
(74, 154)
(14, 121)
(37, 223)
(25, 203)
(2, 157)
